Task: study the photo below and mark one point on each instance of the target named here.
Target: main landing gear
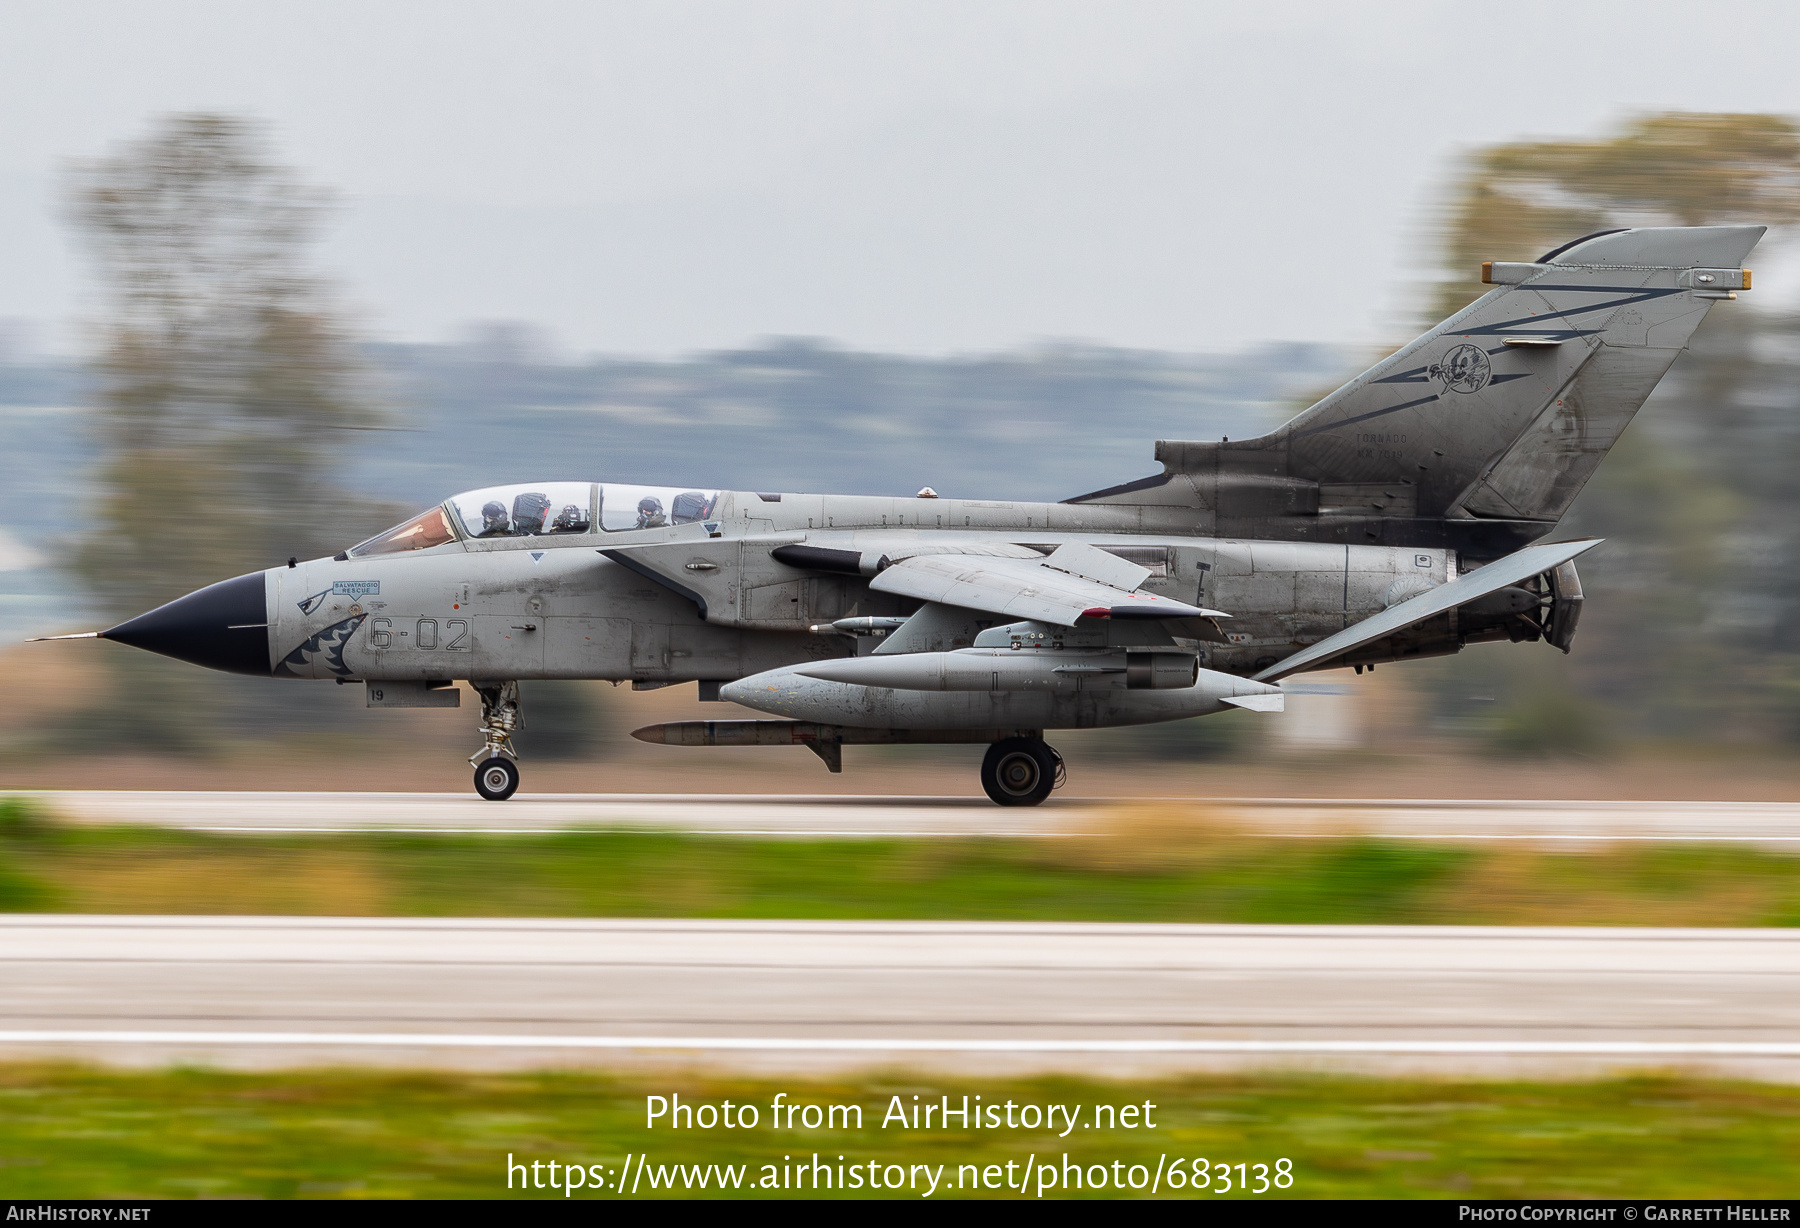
(496, 769)
(1021, 771)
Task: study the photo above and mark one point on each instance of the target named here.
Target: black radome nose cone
(222, 626)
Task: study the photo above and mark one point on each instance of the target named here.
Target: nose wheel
(496, 773)
(1021, 771)
(497, 779)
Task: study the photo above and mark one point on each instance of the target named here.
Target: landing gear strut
(496, 772)
(1021, 771)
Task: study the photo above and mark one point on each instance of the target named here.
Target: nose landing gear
(496, 772)
(1021, 771)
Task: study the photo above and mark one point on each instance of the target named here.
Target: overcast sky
(914, 176)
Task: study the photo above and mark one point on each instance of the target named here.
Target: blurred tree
(224, 374)
(1686, 614)
(224, 370)
(1519, 200)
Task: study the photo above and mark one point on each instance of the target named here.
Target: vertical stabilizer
(1480, 433)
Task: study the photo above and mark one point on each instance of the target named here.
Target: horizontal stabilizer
(1517, 566)
(1258, 703)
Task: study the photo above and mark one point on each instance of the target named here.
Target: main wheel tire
(1019, 771)
(497, 779)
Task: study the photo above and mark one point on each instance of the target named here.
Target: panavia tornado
(1399, 517)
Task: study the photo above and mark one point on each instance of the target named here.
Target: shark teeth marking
(331, 642)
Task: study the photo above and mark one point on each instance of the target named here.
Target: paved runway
(962, 996)
(1769, 823)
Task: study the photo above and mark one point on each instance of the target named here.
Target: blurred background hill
(795, 414)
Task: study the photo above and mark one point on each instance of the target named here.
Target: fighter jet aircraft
(1395, 519)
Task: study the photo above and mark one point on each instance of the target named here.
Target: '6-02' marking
(424, 634)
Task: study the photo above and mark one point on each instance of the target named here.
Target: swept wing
(1074, 582)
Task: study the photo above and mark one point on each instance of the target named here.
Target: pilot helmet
(649, 506)
(493, 515)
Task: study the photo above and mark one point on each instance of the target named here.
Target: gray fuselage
(557, 607)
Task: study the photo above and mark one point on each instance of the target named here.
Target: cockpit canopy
(525, 511)
(543, 509)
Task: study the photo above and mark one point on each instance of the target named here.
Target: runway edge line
(916, 1045)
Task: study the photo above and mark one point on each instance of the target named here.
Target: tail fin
(1480, 433)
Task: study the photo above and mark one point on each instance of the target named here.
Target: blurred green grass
(74, 1131)
(1138, 870)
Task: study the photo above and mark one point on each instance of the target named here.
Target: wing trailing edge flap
(1517, 566)
(1074, 582)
